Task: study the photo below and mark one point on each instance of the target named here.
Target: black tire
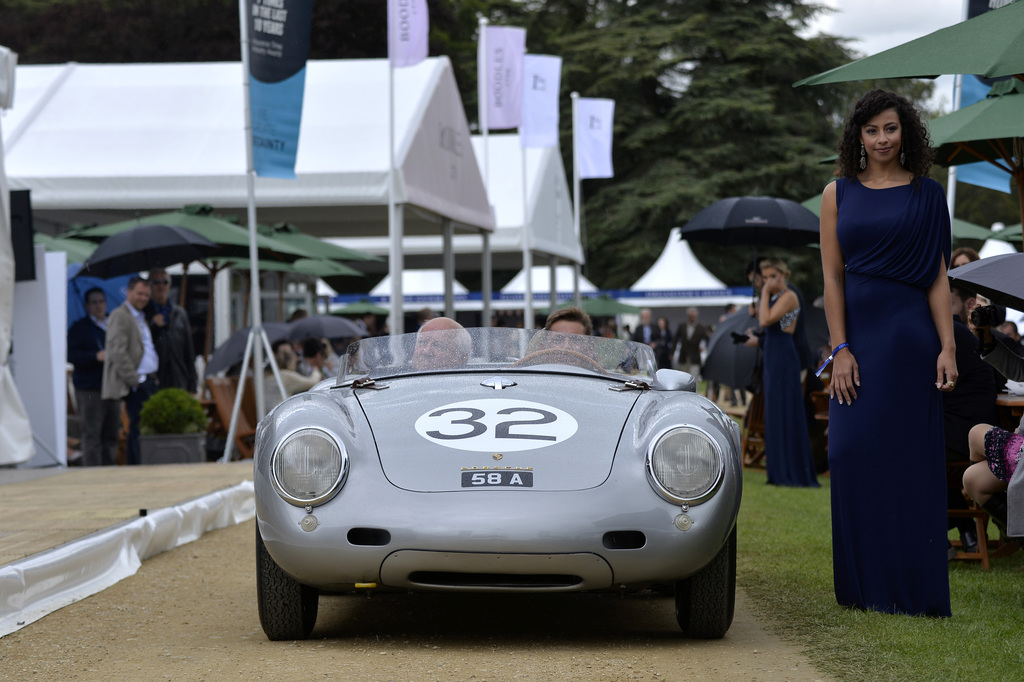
(706, 601)
(287, 607)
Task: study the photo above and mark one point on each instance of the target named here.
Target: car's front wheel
(705, 601)
(287, 607)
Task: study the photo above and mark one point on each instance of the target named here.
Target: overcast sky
(877, 25)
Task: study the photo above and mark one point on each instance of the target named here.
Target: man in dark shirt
(100, 419)
(172, 336)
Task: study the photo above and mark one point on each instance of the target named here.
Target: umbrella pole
(184, 284)
(1018, 175)
(209, 313)
(280, 296)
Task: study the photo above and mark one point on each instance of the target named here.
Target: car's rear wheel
(706, 601)
(287, 607)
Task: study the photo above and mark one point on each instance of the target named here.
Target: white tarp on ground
(15, 431)
(682, 279)
(102, 142)
(42, 583)
(550, 210)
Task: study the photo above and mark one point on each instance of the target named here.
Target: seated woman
(292, 380)
(995, 451)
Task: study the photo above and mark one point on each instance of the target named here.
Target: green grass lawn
(785, 566)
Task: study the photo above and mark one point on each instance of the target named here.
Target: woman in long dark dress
(885, 248)
(787, 443)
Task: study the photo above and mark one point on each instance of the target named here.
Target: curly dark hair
(917, 146)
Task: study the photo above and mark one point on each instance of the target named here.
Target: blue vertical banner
(278, 47)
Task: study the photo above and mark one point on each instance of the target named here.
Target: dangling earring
(903, 158)
(863, 157)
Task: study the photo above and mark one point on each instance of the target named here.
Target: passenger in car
(441, 343)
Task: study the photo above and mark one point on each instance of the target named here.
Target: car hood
(448, 432)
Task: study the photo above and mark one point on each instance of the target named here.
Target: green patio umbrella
(989, 130)
(361, 307)
(233, 239)
(989, 45)
(290, 234)
(78, 250)
(1010, 233)
(600, 306)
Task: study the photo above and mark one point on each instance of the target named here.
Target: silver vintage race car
(497, 460)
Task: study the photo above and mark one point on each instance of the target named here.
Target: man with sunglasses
(172, 335)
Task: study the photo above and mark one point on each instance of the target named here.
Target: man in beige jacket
(130, 366)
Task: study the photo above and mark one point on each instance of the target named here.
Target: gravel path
(190, 614)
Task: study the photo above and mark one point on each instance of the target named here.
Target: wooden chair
(954, 479)
(752, 445)
(222, 392)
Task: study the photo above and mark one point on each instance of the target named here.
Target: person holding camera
(995, 451)
(885, 249)
(972, 401)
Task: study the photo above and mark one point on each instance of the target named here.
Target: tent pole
(395, 227)
(485, 258)
(577, 204)
(486, 284)
(528, 321)
(255, 298)
(553, 288)
(447, 229)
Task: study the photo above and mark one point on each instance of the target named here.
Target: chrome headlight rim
(335, 487)
(665, 492)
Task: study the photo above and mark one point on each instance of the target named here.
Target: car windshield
(496, 349)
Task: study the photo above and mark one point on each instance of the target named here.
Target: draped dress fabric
(886, 450)
(787, 443)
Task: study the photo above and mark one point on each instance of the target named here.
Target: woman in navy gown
(787, 443)
(885, 248)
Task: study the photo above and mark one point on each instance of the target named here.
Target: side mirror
(674, 380)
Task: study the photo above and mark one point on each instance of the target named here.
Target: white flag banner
(408, 27)
(542, 77)
(500, 72)
(593, 128)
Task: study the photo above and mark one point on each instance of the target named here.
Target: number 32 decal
(496, 425)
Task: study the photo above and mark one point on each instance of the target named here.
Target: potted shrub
(172, 427)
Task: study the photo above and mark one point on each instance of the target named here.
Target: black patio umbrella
(232, 351)
(146, 247)
(324, 327)
(727, 362)
(999, 278)
(753, 221)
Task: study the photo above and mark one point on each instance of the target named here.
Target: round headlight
(684, 465)
(308, 467)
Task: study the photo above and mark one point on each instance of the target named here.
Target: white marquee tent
(105, 142)
(550, 222)
(678, 280)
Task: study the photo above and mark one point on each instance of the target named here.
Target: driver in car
(566, 329)
(441, 343)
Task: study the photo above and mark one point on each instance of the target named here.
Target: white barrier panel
(40, 584)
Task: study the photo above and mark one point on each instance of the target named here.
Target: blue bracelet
(825, 364)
